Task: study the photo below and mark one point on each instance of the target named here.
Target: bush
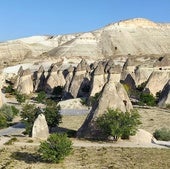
(9, 112)
(21, 98)
(162, 134)
(56, 148)
(148, 99)
(11, 141)
(52, 114)
(3, 121)
(118, 124)
(41, 97)
(28, 114)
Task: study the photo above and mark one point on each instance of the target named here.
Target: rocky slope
(131, 37)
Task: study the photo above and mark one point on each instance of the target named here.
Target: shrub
(93, 99)
(162, 134)
(52, 114)
(41, 97)
(11, 141)
(28, 114)
(3, 121)
(56, 148)
(21, 98)
(148, 99)
(9, 89)
(9, 112)
(118, 124)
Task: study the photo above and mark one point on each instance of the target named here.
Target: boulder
(40, 128)
(142, 137)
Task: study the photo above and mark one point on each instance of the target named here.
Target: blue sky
(22, 18)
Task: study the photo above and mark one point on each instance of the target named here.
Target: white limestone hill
(130, 37)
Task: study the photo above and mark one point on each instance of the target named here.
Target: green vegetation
(9, 89)
(56, 148)
(162, 134)
(52, 114)
(30, 112)
(3, 121)
(7, 113)
(21, 98)
(148, 99)
(41, 97)
(11, 141)
(118, 124)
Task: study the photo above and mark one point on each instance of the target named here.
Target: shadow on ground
(28, 158)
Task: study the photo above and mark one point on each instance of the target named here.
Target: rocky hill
(130, 37)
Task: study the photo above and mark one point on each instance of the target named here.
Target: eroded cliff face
(130, 37)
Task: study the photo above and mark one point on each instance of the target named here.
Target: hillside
(130, 37)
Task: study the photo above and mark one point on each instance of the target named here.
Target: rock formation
(113, 96)
(55, 78)
(24, 82)
(144, 37)
(80, 81)
(157, 81)
(40, 128)
(39, 79)
(165, 96)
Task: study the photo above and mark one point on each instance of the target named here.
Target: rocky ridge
(144, 37)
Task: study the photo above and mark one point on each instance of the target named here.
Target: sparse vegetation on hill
(118, 124)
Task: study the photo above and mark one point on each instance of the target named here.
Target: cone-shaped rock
(40, 128)
(110, 98)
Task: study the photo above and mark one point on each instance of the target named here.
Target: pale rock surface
(157, 81)
(55, 78)
(40, 128)
(165, 96)
(81, 78)
(142, 137)
(99, 78)
(109, 99)
(39, 79)
(124, 96)
(72, 104)
(24, 82)
(144, 37)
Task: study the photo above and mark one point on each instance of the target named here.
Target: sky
(23, 18)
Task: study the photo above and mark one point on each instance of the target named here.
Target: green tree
(118, 124)
(56, 148)
(41, 97)
(148, 99)
(28, 114)
(21, 98)
(3, 121)
(52, 114)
